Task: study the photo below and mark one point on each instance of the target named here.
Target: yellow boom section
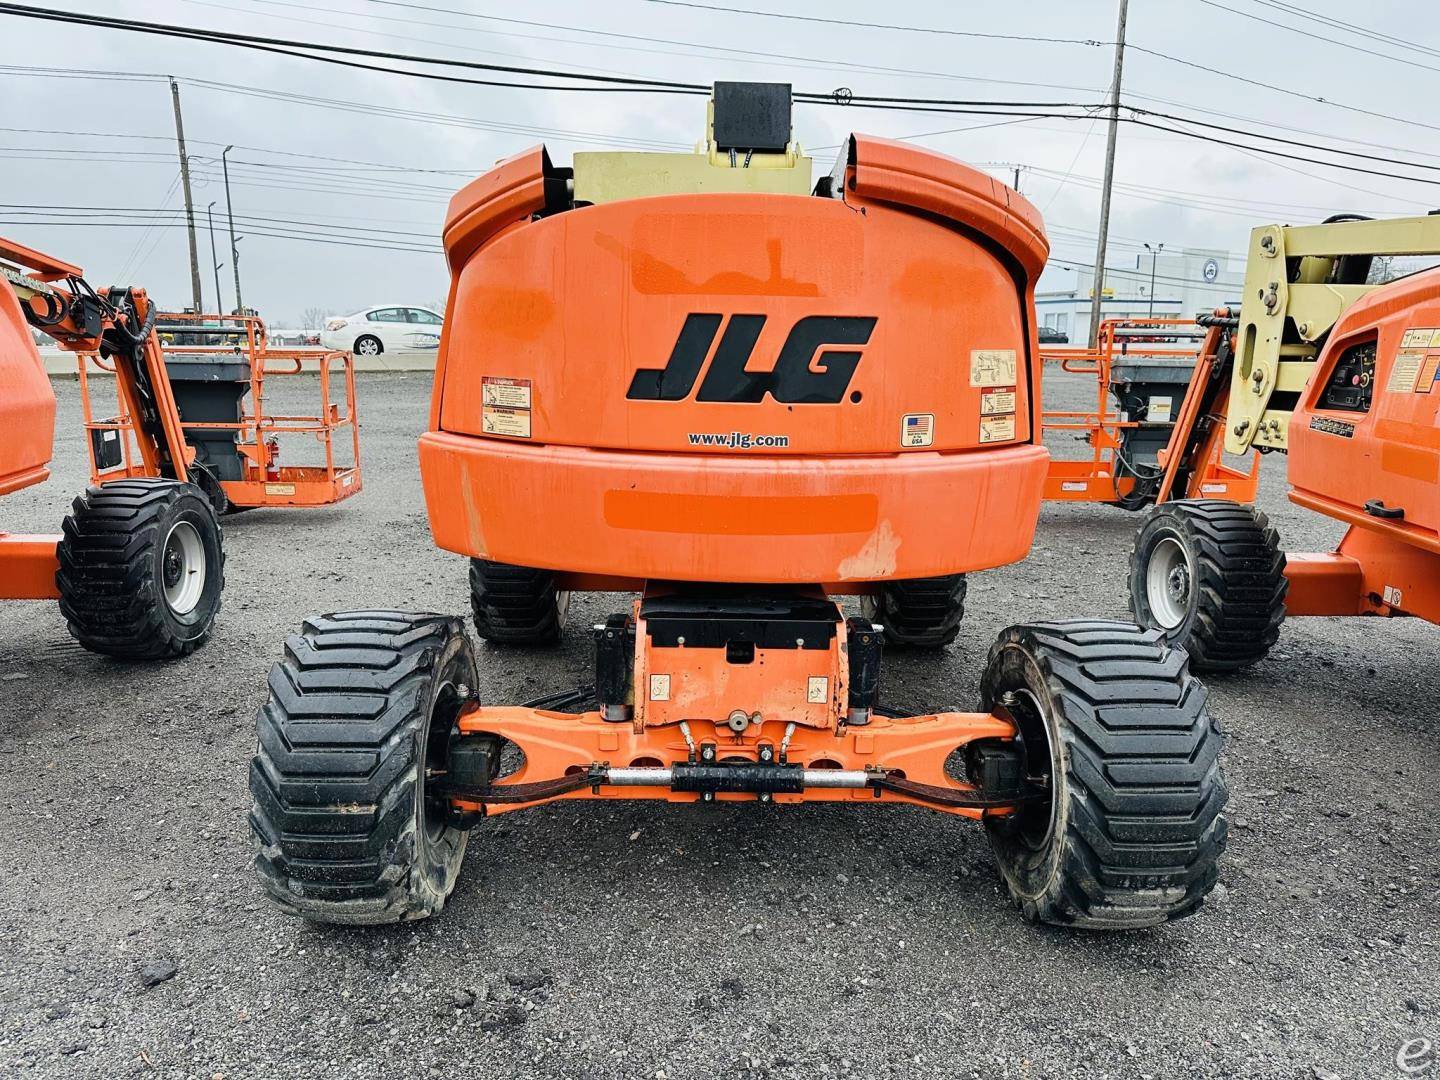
(1298, 283)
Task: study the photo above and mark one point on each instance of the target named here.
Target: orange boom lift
(219, 367)
(139, 565)
(701, 377)
(1341, 376)
(1160, 373)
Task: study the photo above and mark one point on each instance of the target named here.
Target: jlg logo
(795, 380)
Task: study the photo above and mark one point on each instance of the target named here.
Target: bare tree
(313, 318)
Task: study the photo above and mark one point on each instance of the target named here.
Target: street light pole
(230, 214)
(1154, 258)
(210, 215)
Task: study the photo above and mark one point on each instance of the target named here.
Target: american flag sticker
(917, 429)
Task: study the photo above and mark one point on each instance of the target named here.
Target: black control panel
(1352, 384)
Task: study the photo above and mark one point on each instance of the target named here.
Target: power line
(879, 26)
(390, 35)
(769, 57)
(1339, 24)
(766, 57)
(1280, 90)
(287, 47)
(1207, 201)
(310, 50)
(1075, 110)
(1320, 37)
(1279, 139)
(1136, 120)
(269, 234)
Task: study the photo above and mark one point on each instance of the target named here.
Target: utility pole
(189, 205)
(210, 214)
(1099, 283)
(230, 213)
(1017, 177)
(1154, 258)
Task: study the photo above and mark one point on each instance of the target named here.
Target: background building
(1187, 282)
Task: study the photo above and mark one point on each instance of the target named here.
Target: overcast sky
(1170, 189)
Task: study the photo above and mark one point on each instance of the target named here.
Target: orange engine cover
(27, 404)
(741, 387)
(1367, 429)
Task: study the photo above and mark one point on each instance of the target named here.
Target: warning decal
(1405, 371)
(1429, 372)
(992, 367)
(505, 406)
(995, 402)
(997, 428)
(1421, 337)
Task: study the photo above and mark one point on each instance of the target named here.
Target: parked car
(379, 330)
(1051, 336)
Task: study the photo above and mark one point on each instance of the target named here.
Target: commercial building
(1186, 283)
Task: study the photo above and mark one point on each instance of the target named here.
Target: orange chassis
(814, 735)
(1381, 481)
(528, 442)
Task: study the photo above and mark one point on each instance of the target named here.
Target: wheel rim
(368, 347)
(1036, 819)
(182, 568)
(1169, 583)
(435, 809)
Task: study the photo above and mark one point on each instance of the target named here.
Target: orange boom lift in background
(704, 378)
(218, 367)
(139, 565)
(1146, 451)
(1341, 376)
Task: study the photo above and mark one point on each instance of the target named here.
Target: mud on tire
(142, 567)
(516, 605)
(360, 706)
(1210, 574)
(922, 613)
(1111, 717)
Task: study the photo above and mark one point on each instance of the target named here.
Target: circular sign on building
(1211, 270)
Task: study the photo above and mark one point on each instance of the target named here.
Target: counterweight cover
(840, 387)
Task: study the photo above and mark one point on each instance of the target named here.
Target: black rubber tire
(515, 605)
(114, 557)
(1234, 585)
(923, 613)
(359, 709)
(379, 345)
(1132, 833)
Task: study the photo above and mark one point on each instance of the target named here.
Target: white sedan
(384, 329)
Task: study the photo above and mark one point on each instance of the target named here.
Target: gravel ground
(614, 940)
